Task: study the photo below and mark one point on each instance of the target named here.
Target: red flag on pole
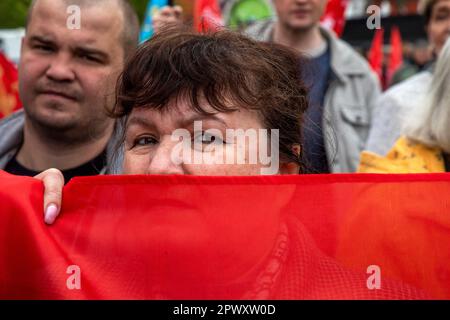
(9, 91)
(396, 56)
(207, 15)
(376, 54)
(334, 17)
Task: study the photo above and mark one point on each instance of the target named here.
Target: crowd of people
(97, 103)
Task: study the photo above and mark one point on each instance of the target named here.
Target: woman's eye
(144, 141)
(207, 138)
(206, 142)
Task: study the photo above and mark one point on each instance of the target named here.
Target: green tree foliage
(13, 12)
(140, 6)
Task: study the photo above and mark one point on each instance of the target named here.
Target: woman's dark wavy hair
(228, 70)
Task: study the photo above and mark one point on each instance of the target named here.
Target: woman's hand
(53, 181)
(168, 16)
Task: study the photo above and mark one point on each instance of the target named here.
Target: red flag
(9, 91)
(396, 56)
(376, 54)
(334, 17)
(207, 15)
(188, 237)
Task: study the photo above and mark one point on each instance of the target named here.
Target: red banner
(376, 55)
(9, 90)
(396, 55)
(334, 16)
(187, 237)
(207, 15)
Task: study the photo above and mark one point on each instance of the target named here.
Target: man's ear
(291, 167)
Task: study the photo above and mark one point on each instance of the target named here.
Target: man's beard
(72, 132)
(297, 29)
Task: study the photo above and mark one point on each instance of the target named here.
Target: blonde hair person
(431, 123)
(425, 144)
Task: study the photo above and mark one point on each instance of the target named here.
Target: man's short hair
(131, 28)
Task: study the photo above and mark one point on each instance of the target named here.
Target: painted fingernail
(50, 214)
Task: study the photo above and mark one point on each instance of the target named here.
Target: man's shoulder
(347, 55)
(347, 63)
(11, 124)
(11, 135)
(14, 117)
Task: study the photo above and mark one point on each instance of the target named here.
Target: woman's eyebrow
(184, 123)
(139, 121)
(200, 117)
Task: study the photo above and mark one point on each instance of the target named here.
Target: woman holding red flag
(226, 81)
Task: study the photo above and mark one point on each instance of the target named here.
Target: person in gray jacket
(67, 77)
(399, 101)
(343, 89)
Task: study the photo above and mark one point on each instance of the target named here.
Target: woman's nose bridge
(161, 160)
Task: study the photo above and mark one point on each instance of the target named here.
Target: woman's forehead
(175, 111)
(183, 115)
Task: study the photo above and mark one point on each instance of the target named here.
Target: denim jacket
(349, 101)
